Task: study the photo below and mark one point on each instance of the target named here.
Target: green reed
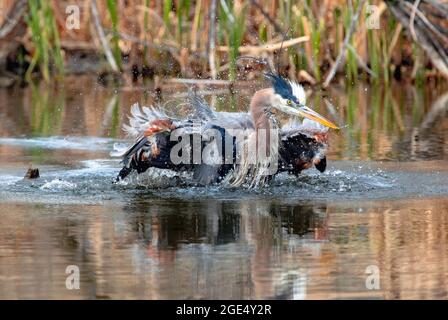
(146, 30)
(45, 38)
(375, 107)
(296, 18)
(113, 13)
(374, 53)
(316, 33)
(300, 31)
(351, 65)
(196, 23)
(46, 113)
(231, 31)
(420, 69)
(167, 6)
(316, 29)
(417, 103)
(263, 33)
(352, 106)
(182, 12)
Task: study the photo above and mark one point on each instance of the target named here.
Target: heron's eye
(288, 102)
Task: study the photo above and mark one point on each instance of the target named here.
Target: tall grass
(183, 11)
(175, 33)
(146, 30)
(113, 13)
(232, 27)
(45, 37)
(167, 6)
(351, 66)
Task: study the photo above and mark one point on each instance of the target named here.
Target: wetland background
(382, 202)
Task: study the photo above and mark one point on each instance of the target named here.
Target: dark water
(383, 202)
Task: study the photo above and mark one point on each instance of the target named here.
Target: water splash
(58, 184)
(74, 143)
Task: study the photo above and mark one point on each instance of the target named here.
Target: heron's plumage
(287, 89)
(292, 148)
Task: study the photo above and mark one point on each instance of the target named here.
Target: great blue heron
(236, 138)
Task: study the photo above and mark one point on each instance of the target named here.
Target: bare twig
(394, 41)
(307, 77)
(347, 38)
(411, 21)
(202, 93)
(199, 81)
(102, 36)
(164, 29)
(425, 34)
(268, 17)
(267, 47)
(12, 20)
(361, 63)
(416, 11)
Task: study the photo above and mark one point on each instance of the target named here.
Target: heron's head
(289, 97)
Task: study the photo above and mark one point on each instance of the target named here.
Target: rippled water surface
(381, 205)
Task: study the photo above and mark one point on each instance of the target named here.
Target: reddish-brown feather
(159, 125)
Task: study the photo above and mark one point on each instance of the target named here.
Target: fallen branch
(202, 93)
(199, 81)
(427, 27)
(267, 47)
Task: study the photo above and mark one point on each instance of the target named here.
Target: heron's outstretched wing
(227, 120)
(199, 107)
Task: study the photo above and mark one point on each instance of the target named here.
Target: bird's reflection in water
(224, 248)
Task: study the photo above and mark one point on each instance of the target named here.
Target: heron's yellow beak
(313, 115)
(305, 112)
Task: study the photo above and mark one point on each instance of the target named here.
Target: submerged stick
(32, 173)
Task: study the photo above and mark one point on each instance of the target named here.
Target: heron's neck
(260, 107)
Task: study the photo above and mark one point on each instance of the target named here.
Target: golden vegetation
(181, 38)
